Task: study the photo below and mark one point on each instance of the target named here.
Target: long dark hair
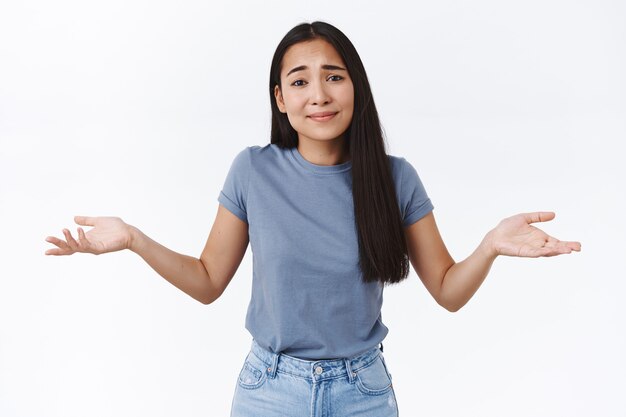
(382, 246)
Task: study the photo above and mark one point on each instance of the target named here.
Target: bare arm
(204, 279)
(429, 256)
(184, 272)
(464, 278)
(453, 284)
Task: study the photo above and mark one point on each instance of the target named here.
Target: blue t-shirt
(308, 298)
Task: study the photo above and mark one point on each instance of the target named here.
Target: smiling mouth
(323, 118)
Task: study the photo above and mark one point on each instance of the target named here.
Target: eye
(297, 81)
(338, 76)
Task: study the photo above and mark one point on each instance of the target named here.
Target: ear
(279, 99)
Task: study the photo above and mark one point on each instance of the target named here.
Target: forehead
(313, 53)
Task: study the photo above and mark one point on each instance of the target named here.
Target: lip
(322, 116)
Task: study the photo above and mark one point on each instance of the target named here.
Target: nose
(319, 95)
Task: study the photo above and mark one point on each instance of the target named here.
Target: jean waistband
(315, 369)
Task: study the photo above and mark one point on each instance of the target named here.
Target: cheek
(293, 123)
(293, 115)
(348, 96)
(349, 105)
(292, 101)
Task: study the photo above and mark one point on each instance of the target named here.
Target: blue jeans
(279, 385)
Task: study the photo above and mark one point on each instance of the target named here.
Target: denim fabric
(279, 385)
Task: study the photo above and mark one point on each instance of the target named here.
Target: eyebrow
(326, 67)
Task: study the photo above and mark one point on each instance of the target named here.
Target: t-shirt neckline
(319, 169)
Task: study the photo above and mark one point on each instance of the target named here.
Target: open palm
(514, 236)
(109, 234)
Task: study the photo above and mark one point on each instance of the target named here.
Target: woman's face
(315, 82)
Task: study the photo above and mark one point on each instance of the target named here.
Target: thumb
(84, 220)
(539, 216)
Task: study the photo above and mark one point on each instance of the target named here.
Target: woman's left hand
(514, 236)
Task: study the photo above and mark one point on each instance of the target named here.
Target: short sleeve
(234, 193)
(413, 197)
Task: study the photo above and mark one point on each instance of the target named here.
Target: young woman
(331, 219)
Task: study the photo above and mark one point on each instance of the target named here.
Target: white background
(136, 109)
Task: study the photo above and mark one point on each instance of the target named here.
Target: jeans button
(319, 370)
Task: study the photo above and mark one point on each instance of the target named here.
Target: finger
(70, 240)
(82, 239)
(571, 245)
(558, 250)
(550, 242)
(539, 216)
(536, 253)
(554, 243)
(574, 246)
(56, 241)
(62, 249)
(84, 220)
(58, 252)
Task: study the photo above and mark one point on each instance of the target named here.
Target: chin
(325, 136)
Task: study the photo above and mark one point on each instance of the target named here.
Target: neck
(324, 152)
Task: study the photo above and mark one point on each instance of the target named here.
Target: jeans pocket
(252, 374)
(382, 357)
(373, 379)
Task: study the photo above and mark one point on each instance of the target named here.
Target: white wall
(136, 108)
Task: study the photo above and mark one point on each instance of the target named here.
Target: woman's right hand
(109, 234)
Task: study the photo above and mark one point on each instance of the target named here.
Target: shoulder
(398, 165)
(266, 156)
(269, 151)
(249, 154)
(395, 160)
(259, 159)
(405, 175)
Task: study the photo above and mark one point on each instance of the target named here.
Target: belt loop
(351, 375)
(271, 372)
